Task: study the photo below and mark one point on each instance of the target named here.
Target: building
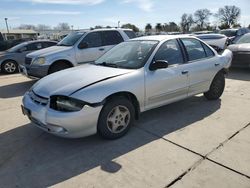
(19, 34)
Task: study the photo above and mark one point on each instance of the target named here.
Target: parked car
(241, 52)
(141, 74)
(218, 41)
(7, 44)
(75, 49)
(10, 59)
(234, 34)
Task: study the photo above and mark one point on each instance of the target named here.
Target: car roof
(162, 37)
(105, 29)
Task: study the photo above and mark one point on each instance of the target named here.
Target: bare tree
(27, 26)
(228, 16)
(42, 27)
(186, 22)
(62, 26)
(201, 18)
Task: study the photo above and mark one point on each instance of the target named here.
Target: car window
(48, 44)
(194, 49)
(35, 46)
(93, 39)
(111, 38)
(130, 34)
(170, 51)
(209, 52)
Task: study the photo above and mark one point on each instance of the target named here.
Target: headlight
(39, 61)
(66, 104)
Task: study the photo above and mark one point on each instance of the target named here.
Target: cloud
(68, 2)
(145, 5)
(39, 12)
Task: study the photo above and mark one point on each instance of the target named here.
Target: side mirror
(158, 64)
(83, 45)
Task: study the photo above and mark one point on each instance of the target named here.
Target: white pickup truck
(75, 49)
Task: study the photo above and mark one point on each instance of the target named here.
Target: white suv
(75, 49)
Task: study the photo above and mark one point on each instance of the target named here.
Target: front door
(164, 86)
(94, 49)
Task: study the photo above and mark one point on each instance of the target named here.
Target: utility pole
(118, 24)
(6, 22)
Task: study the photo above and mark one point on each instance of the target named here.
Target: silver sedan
(106, 96)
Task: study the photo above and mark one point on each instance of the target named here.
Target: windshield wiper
(63, 45)
(107, 64)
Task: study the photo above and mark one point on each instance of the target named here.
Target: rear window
(130, 34)
(208, 51)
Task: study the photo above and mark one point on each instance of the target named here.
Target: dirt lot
(192, 143)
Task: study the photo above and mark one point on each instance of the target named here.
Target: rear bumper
(34, 71)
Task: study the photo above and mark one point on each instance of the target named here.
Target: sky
(83, 14)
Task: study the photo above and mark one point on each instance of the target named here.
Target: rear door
(170, 84)
(110, 39)
(94, 49)
(201, 65)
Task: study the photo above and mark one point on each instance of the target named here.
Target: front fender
(132, 83)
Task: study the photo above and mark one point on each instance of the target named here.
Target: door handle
(216, 64)
(184, 72)
(101, 49)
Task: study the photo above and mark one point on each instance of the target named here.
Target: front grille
(28, 60)
(38, 99)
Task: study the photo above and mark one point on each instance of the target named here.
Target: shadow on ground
(32, 158)
(239, 74)
(15, 90)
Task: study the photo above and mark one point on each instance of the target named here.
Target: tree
(98, 27)
(249, 26)
(186, 22)
(158, 27)
(27, 26)
(228, 16)
(131, 26)
(171, 27)
(148, 27)
(62, 26)
(201, 18)
(42, 27)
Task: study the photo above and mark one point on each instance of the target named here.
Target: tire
(217, 87)
(116, 118)
(9, 67)
(58, 67)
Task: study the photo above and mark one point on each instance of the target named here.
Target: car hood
(48, 51)
(239, 47)
(71, 80)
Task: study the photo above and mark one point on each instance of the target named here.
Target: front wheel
(9, 67)
(116, 118)
(217, 87)
(58, 67)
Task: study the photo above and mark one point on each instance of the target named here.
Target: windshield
(17, 47)
(229, 33)
(128, 55)
(244, 39)
(71, 39)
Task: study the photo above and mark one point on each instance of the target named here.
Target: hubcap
(118, 119)
(10, 67)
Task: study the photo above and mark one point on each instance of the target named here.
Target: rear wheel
(58, 67)
(9, 67)
(217, 87)
(116, 118)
